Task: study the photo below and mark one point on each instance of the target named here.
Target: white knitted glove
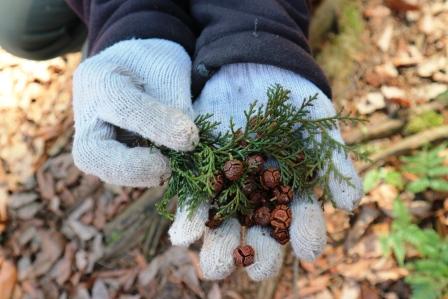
(142, 86)
(227, 94)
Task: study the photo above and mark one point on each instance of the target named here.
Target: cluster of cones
(269, 201)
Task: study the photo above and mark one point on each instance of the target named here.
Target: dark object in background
(214, 221)
(130, 139)
(40, 29)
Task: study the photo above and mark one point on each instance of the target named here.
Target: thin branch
(406, 144)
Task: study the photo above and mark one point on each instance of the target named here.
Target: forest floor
(61, 230)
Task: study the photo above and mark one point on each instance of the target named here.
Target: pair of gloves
(143, 86)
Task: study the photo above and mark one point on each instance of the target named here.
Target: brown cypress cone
(214, 221)
(244, 256)
(283, 194)
(270, 178)
(281, 217)
(249, 186)
(218, 183)
(257, 198)
(280, 235)
(255, 163)
(262, 216)
(246, 219)
(233, 169)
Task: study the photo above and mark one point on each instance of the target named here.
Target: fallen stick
(389, 127)
(374, 131)
(139, 223)
(406, 144)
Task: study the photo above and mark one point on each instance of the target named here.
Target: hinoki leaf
(302, 147)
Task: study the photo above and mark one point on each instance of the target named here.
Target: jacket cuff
(143, 25)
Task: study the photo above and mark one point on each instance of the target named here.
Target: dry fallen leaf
(367, 215)
(386, 38)
(130, 297)
(350, 290)
(99, 290)
(52, 246)
(428, 91)
(401, 5)
(420, 208)
(371, 102)
(46, 184)
(441, 77)
(384, 195)
(62, 270)
(324, 295)
(378, 11)
(387, 70)
(442, 219)
(430, 66)
(84, 232)
(8, 278)
(28, 211)
(215, 292)
(3, 210)
(316, 285)
(392, 92)
(178, 264)
(368, 247)
(18, 200)
(369, 292)
(81, 259)
(82, 293)
(407, 57)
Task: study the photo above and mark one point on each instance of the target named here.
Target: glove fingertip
(308, 231)
(268, 254)
(346, 194)
(187, 228)
(179, 132)
(216, 256)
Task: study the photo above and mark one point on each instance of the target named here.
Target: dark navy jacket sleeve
(214, 32)
(271, 32)
(111, 21)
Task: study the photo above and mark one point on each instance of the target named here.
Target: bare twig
(390, 126)
(139, 222)
(374, 131)
(409, 143)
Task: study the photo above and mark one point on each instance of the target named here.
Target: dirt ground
(62, 232)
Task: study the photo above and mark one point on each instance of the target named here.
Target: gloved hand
(228, 94)
(142, 86)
